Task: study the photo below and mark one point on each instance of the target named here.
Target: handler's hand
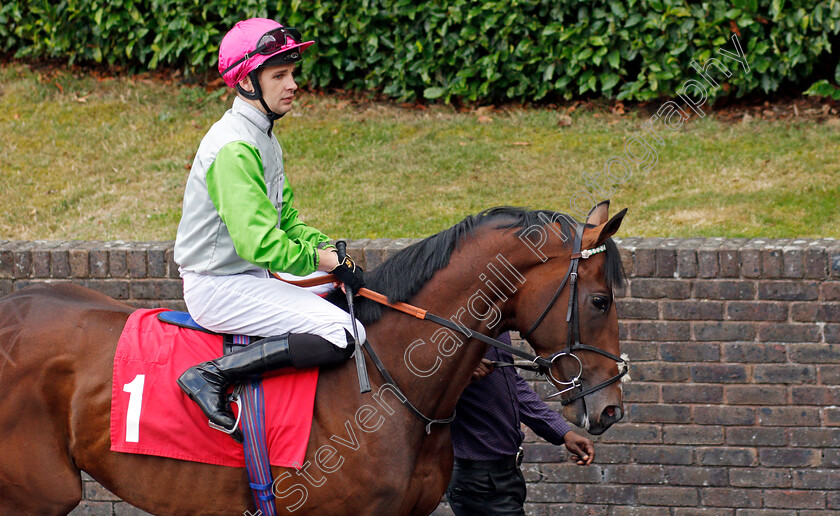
(581, 448)
(484, 368)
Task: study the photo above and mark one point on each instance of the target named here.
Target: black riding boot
(207, 382)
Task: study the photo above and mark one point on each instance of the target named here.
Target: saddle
(182, 319)
(185, 320)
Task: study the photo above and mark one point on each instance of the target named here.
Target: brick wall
(140, 273)
(734, 403)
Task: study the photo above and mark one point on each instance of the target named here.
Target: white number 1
(135, 401)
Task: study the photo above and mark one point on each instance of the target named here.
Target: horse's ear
(599, 214)
(611, 227)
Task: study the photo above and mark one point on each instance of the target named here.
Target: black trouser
(486, 487)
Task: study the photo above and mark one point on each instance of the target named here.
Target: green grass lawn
(103, 159)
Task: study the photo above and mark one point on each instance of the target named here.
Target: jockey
(239, 225)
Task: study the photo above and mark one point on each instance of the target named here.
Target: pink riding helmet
(236, 60)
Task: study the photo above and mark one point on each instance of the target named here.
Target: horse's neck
(433, 364)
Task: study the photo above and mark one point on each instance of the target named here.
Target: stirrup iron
(234, 398)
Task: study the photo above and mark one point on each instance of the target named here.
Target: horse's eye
(602, 303)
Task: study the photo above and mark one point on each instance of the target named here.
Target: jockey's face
(278, 87)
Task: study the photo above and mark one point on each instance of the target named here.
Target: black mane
(404, 274)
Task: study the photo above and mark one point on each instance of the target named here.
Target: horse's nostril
(611, 414)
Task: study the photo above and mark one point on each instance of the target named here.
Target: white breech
(253, 303)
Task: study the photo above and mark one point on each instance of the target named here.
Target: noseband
(573, 324)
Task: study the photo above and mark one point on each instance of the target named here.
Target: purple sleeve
(533, 411)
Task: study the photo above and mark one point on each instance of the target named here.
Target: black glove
(350, 274)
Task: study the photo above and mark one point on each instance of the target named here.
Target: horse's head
(579, 337)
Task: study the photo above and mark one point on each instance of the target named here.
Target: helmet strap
(257, 95)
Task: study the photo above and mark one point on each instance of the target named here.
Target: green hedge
(471, 50)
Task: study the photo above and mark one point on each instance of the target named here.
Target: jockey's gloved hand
(350, 274)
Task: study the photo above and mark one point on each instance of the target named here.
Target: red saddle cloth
(150, 415)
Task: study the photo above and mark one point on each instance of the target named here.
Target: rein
(540, 365)
(425, 315)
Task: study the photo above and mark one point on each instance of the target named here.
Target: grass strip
(99, 158)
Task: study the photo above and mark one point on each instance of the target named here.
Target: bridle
(538, 364)
(541, 365)
(573, 323)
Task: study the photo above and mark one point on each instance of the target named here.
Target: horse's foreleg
(36, 477)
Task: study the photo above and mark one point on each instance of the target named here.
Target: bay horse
(367, 455)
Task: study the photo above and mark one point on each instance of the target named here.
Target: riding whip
(361, 368)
